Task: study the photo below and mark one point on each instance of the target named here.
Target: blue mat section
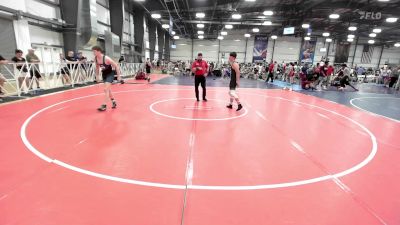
(282, 84)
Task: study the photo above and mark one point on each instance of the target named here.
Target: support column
(273, 51)
(70, 13)
(139, 32)
(354, 55)
(161, 41)
(22, 37)
(117, 14)
(245, 51)
(152, 37)
(167, 52)
(380, 56)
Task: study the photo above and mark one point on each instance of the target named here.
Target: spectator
(82, 61)
(148, 66)
(271, 70)
(121, 59)
(34, 69)
(21, 68)
(64, 71)
(2, 78)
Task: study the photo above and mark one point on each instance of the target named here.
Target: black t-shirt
(71, 59)
(21, 60)
(1, 58)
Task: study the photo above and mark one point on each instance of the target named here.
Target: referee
(200, 69)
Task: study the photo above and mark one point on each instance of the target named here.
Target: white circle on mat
(360, 108)
(200, 187)
(188, 118)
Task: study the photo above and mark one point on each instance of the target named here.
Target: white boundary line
(201, 187)
(376, 114)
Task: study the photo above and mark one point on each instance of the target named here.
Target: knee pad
(232, 93)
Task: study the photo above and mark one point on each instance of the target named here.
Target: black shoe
(122, 82)
(198, 100)
(148, 80)
(114, 104)
(239, 107)
(229, 106)
(102, 108)
(204, 99)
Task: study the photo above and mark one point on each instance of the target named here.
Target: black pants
(345, 81)
(200, 80)
(270, 75)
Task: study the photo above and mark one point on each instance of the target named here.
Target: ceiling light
(220, 37)
(274, 37)
(173, 32)
(176, 37)
(307, 38)
(397, 45)
(267, 23)
(200, 15)
(224, 33)
(268, 13)
(236, 16)
(247, 35)
(350, 39)
(326, 34)
(392, 20)
(237, 40)
(183, 44)
(334, 16)
(377, 30)
(250, 0)
(372, 35)
(261, 17)
(371, 42)
(255, 30)
(351, 36)
(308, 34)
(200, 32)
(352, 28)
(156, 16)
(328, 40)
(228, 26)
(306, 25)
(201, 37)
(383, 0)
(166, 26)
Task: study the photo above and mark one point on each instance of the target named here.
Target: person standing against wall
(200, 70)
(2, 78)
(31, 57)
(148, 67)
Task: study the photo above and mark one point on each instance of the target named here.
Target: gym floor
(161, 158)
